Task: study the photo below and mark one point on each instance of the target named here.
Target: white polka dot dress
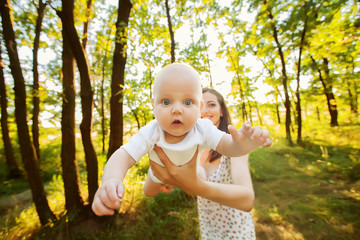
(220, 222)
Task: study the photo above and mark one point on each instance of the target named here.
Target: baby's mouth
(176, 122)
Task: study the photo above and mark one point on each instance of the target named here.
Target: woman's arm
(241, 176)
(239, 195)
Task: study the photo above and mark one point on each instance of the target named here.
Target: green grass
(302, 192)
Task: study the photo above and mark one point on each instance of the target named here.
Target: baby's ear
(152, 104)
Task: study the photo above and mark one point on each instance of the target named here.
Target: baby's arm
(112, 188)
(242, 141)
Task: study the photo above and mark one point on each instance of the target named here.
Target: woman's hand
(184, 177)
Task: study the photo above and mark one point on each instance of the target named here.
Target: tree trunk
(351, 98)
(277, 109)
(205, 47)
(117, 78)
(259, 114)
(86, 24)
(330, 97)
(170, 31)
(318, 113)
(70, 173)
(284, 79)
(250, 111)
(27, 148)
(14, 171)
(102, 106)
(135, 114)
(297, 93)
(241, 90)
(150, 85)
(276, 91)
(352, 91)
(67, 18)
(102, 94)
(355, 99)
(36, 98)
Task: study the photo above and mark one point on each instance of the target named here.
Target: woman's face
(211, 108)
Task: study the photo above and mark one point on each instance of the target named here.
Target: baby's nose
(176, 109)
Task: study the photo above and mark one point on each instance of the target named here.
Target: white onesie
(204, 134)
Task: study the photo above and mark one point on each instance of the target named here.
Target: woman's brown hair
(225, 119)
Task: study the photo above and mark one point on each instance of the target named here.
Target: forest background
(75, 82)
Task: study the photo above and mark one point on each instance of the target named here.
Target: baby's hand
(255, 135)
(107, 197)
(260, 137)
(247, 129)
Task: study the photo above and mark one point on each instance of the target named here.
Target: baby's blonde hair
(178, 66)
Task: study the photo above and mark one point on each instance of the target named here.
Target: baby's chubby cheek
(201, 172)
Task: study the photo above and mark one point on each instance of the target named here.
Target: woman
(226, 198)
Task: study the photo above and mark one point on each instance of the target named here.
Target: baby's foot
(166, 189)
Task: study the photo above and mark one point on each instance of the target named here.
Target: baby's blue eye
(166, 101)
(188, 102)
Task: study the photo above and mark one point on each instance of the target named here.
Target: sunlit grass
(22, 221)
(307, 192)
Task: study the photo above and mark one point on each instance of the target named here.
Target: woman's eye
(211, 105)
(188, 102)
(166, 102)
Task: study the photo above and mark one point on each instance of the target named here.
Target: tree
(278, 24)
(333, 51)
(283, 70)
(73, 199)
(170, 31)
(199, 16)
(36, 98)
(14, 170)
(304, 15)
(67, 19)
(86, 23)
(328, 89)
(118, 76)
(102, 69)
(239, 81)
(28, 153)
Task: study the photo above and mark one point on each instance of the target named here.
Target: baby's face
(177, 103)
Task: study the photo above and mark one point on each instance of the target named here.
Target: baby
(178, 130)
